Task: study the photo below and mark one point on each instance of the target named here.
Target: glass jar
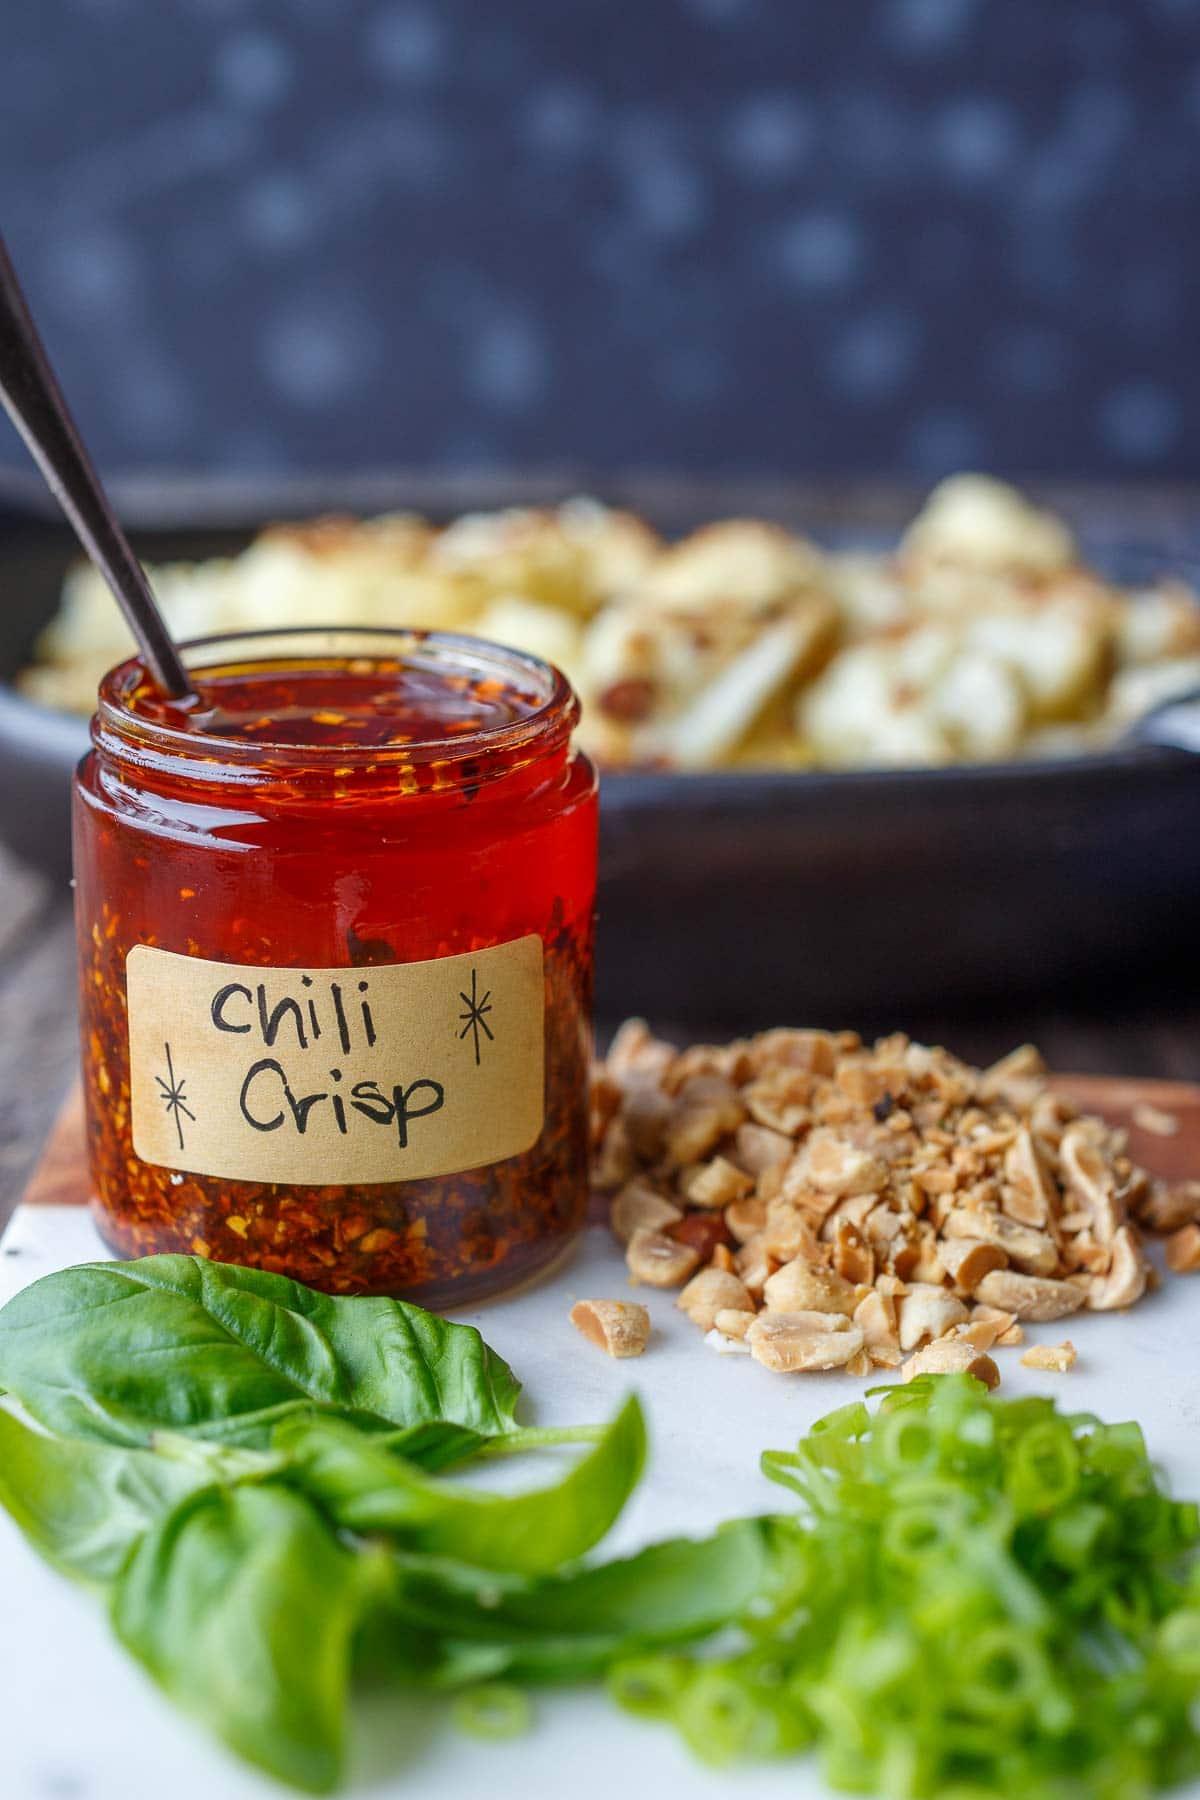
(335, 938)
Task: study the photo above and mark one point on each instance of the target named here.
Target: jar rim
(549, 721)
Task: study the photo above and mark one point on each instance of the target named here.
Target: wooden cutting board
(60, 1178)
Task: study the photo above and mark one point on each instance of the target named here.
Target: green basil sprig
(573, 1623)
(243, 1604)
(116, 1351)
(366, 1488)
(250, 1470)
(85, 1506)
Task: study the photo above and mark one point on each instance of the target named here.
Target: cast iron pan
(737, 897)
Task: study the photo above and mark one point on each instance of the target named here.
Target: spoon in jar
(34, 403)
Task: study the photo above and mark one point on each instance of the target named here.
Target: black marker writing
(339, 1009)
(220, 1001)
(267, 1101)
(368, 1021)
(241, 1009)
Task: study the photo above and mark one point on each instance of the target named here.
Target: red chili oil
(340, 800)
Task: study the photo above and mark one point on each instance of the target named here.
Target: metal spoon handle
(34, 402)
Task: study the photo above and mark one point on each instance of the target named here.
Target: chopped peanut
(733, 1323)
(1032, 1250)
(778, 1101)
(798, 1287)
(853, 1257)
(876, 1316)
(1165, 1207)
(788, 1234)
(621, 1327)
(819, 1178)
(787, 1343)
(1091, 1184)
(953, 1356)
(928, 1312)
(834, 1165)
(1183, 1250)
(717, 1183)
(1030, 1296)
(811, 1320)
(659, 1261)
(1154, 1120)
(638, 1207)
(614, 1159)
(604, 1100)
(920, 1258)
(705, 1110)
(1006, 1076)
(746, 1218)
(644, 1115)
(1126, 1278)
(1059, 1357)
(704, 1231)
(994, 1315)
(967, 1261)
(635, 1051)
(710, 1292)
(756, 1148)
(1029, 1196)
(983, 1333)
(754, 1265)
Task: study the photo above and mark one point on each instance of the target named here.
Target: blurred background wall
(879, 235)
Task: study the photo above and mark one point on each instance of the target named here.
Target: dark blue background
(730, 234)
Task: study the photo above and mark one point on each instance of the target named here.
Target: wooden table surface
(1095, 1031)
(38, 1043)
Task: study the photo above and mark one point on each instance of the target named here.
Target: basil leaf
(367, 1488)
(84, 1506)
(435, 1446)
(243, 1605)
(114, 1351)
(567, 1626)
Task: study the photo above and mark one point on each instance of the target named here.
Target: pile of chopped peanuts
(826, 1204)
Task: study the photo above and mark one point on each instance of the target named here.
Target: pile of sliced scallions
(978, 1598)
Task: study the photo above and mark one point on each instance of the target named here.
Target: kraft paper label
(316, 1077)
